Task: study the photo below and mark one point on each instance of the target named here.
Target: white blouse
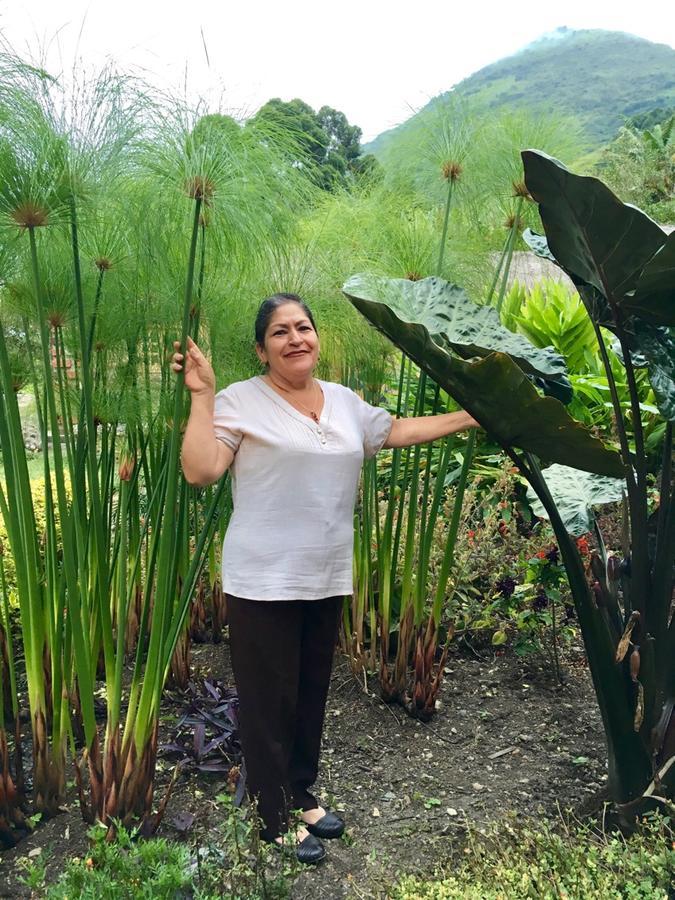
(294, 483)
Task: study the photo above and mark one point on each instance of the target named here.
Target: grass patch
(537, 861)
(36, 466)
(233, 862)
(124, 869)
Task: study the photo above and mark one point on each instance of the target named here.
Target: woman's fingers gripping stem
(199, 375)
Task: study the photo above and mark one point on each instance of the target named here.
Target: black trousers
(282, 656)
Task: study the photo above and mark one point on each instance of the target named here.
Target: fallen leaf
(503, 752)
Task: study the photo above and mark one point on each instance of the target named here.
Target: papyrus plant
(233, 180)
(621, 262)
(95, 562)
(394, 589)
(469, 331)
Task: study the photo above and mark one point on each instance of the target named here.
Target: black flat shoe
(309, 851)
(328, 826)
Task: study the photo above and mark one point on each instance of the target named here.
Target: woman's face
(291, 347)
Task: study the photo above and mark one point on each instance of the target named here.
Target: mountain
(599, 77)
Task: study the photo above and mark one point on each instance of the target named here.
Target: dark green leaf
(596, 239)
(561, 390)
(657, 345)
(638, 359)
(654, 298)
(446, 310)
(494, 390)
(653, 348)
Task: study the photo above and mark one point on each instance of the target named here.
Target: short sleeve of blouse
(227, 420)
(376, 424)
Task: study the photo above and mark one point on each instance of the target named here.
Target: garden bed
(506, 739)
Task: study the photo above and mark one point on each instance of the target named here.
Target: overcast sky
(376, 60)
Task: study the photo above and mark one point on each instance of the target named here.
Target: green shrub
(551, 315)
(125, 869)
(536, 862)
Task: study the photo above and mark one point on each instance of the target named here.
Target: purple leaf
(171, 748)
(216, 742)
(212, 690)
(210, 718)
(198, 741)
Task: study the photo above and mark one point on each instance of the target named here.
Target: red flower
(582, 545)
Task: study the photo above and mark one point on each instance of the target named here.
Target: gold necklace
(313, 415)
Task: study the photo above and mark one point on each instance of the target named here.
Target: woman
(294, 446)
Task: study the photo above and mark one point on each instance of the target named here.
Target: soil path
(505, 739)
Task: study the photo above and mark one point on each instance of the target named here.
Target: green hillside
(598, 77)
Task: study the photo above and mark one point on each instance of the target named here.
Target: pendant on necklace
(314, 417)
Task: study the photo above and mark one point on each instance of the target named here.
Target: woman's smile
(290, 338)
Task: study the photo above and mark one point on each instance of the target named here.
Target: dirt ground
(506, 739)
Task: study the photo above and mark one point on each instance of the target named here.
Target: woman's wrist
(467, 420)
(205, 398)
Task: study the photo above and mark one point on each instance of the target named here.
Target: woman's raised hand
(199, 375)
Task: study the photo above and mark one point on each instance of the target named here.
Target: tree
(299, 118)
(656, 116)
(640, 164)
(344, 138)
(328, 141)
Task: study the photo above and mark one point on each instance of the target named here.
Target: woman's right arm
(204, 458)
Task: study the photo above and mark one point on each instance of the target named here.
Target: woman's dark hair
(267, 307)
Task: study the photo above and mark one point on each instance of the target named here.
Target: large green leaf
(493, 389)
(575, 494)
(652, 347)
(654, 298)
(538, 244)
(596, 239)
(657, 346)
(469, 330)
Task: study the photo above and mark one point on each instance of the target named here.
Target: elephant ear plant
(621, 262)
(623, 265)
